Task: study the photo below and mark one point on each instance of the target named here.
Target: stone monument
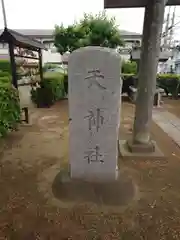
(94, 108)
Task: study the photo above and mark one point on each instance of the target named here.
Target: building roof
(20, 40)
(132, 3)
(34, 32)
(49, 32)
(127, 33)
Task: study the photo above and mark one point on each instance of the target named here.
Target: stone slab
(143, 148)
(169, 123)
(94, 109)
(126, 154)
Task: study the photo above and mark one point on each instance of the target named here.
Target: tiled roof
(49, 32)
(20, 40)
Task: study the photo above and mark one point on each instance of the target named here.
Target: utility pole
(172, 26)
(4, 13)
(165, 44)
(11, 49)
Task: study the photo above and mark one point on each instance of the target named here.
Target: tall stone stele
(94, 109)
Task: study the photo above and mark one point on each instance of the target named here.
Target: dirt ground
(31, 158)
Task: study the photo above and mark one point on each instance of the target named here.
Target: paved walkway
(169, 123)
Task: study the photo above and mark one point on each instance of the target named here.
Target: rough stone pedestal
(129, 150)
(142, 148)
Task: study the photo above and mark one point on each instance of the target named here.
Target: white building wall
(52, 57)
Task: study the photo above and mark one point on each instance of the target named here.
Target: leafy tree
(99, 30)
(61, 39)
(91, 30)
(67, 39)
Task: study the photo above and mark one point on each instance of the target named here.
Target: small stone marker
(158, 97)
(94, 109)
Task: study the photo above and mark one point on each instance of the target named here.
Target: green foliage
(170, 83)
(99, 30)
(126, 75)
(4, 80)
(9, 108)
(5, 74)
(54, 82)
(5, 66)
(66, 83)
(51, 90)
(92, 30)
(129, 67)
(67, 39)
(5, 77)
(9, 100)
(128, 80)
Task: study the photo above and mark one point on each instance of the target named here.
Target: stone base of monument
(103, 176)
(143, 148)
(128, 150)
(76, 191)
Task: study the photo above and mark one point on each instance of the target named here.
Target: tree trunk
(153, 21)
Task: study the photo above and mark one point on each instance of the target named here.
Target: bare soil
(30, 160)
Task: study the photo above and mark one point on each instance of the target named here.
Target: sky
(41, 14)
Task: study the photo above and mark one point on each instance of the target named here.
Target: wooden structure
(132, 3)
(141, 143)
(15, 39)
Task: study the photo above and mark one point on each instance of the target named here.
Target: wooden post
(153, 21)
(40, 64)
(13, 64)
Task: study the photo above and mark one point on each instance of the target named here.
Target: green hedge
(169, 82)
(51, 90)
(5, 77)
(9, 108)
(5, 74)
(128, 80)
(5, 66)
(66, 83)
(129, 67)
(4, 80)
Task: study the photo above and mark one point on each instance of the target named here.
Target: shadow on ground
(119, 192)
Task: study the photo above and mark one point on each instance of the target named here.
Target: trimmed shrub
(66, 83)
(5, 66)
(5, 77)
(10, 112)
(128, 80)
(170, 83)
(43, 97)
(51, 89)
(5, 74)
(4, 80)
(129, 67)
